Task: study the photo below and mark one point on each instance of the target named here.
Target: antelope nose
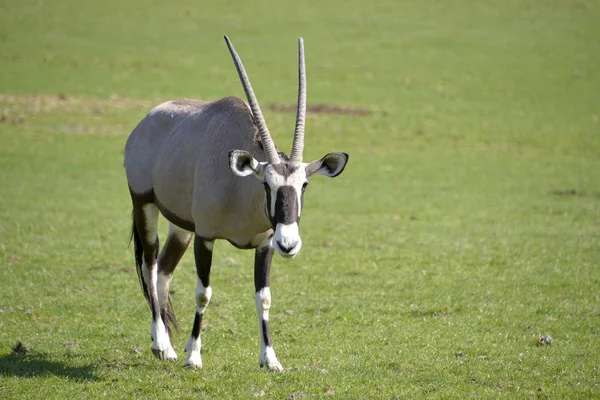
(288, 247)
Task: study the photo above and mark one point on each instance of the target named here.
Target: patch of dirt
(428, 313)
(11, 118)
(62, 102)
(322, 109)
(118, 364)
(568, 192)
(13, 257)
(121, 268)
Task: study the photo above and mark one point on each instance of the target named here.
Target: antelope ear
(243, 164)
(331, 165)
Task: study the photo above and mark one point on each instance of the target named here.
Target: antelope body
(188, 160)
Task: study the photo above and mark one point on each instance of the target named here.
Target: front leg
(203, 256)
(262, 268)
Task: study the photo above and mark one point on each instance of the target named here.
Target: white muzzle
(286, 240)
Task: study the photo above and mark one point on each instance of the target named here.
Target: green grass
(465, 227)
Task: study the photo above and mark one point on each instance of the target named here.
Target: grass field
(465, 228)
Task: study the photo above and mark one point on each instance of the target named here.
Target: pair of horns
(267, 141)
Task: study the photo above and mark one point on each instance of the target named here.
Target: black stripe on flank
(141, 199)
(175, 219)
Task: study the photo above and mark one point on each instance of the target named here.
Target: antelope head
(284, 179)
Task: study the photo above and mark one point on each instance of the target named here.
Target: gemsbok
(188, 160)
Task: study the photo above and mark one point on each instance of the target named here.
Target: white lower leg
(162, 343)
(267, 353)
(194, 344)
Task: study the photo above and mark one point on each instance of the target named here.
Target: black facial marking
(268, 202)
(285, 169)
(301, 202)
(286, 206)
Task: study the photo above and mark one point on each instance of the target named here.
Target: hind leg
(170, 255)
(146, 222)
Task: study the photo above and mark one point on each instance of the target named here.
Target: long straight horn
(265, 136)
(298, 144)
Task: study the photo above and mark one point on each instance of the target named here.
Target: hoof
(193, 365)
(269, 359)
(168, 355)
(194, 360)
(273, 366)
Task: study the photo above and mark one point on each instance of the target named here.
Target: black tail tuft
(169, 319)
(139, 253)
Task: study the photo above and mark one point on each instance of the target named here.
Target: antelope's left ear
(331, 165)
(243, 164)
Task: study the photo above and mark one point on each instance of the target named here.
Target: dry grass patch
(48, 103)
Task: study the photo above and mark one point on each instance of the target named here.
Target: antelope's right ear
(243, 164)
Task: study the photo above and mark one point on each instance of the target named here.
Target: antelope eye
(304, 186)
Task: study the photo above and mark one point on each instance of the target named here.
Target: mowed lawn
(456, 257)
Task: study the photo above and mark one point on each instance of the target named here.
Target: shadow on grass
(38, 365)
